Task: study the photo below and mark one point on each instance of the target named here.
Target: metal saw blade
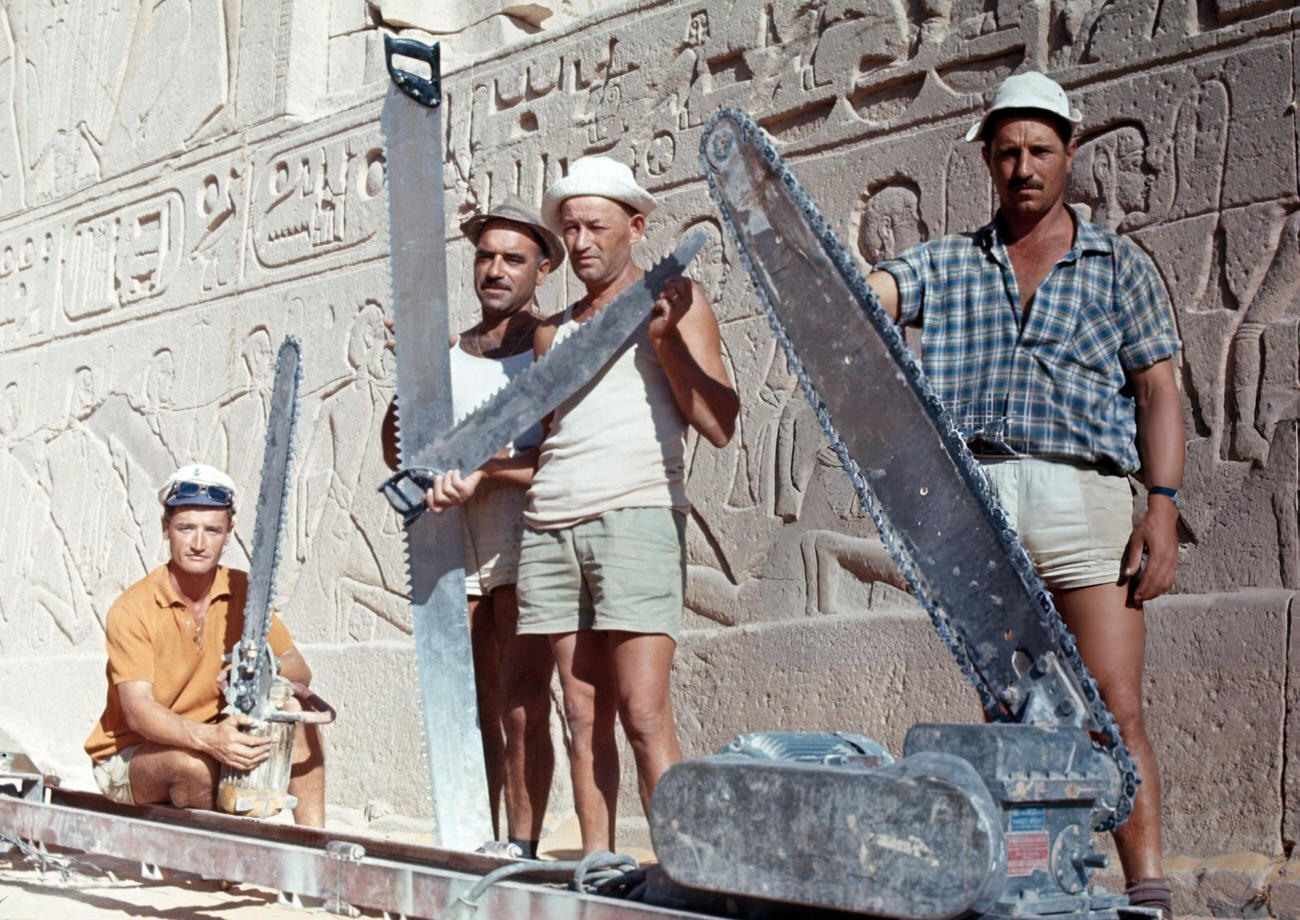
(252, 669)
(910, 468)
(411, 122)
(559, 373)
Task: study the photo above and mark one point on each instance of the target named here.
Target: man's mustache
(498, 284)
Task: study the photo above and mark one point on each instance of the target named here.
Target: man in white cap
(1052, 341)
(602, 570)
(514, 252)
(161, 737)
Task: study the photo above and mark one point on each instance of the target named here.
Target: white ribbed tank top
(619, 442)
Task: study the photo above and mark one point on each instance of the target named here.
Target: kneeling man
(162, 737)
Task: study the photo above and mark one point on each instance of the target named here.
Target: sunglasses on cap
(182, 491)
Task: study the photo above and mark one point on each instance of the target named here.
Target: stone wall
(181, 186)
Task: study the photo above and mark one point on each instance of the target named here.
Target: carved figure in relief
(242, 414)
(1042, 341)
(607, 504)
(38, 596)
(891, 221)
(513, 254)
(1259, 403)
(1111, 176)
(87, 494)
(832, 559)
(160, 738)
(337, 524)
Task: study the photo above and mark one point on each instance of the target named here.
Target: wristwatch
(1171, 494)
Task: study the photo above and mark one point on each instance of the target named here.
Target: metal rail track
(342, 869)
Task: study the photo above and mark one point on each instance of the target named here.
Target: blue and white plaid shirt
(1052, 383)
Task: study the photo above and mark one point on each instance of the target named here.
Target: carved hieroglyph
(183, 183)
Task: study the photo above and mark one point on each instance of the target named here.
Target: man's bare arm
(1160, 443)
(223, 741)
(886, 288)
(294, 667)
(684, 333)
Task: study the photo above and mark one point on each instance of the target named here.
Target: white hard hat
(198, 484)
(1029, 90)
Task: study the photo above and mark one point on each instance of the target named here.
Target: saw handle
(426, 91)
(405, 491)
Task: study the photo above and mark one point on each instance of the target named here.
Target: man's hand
(1157, 535)
(235, 748)
(451, 488)
(671, 305)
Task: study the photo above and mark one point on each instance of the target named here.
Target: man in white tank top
(513, 253)
(602, 570)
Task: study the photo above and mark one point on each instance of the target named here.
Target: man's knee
(193, 780)
(646, 718)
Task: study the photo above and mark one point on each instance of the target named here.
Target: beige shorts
(113, 776)
(1074, 522)
(625, 570)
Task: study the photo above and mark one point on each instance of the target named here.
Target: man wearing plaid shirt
(1051, 341)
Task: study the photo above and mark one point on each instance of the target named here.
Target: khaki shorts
(113, 776)
(625, 570)
(1074, 522)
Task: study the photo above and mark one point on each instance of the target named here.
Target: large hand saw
(411, 122)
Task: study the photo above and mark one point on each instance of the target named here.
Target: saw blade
(553, 378)
(411, 122)
(252, 667)
(911, 469)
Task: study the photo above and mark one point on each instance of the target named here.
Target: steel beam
(338, 872)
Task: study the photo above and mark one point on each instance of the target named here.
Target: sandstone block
(1284, 898)
(1291, 754)
(1215, 706)
(876, 677)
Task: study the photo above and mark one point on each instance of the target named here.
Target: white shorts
(492, 524)
(113, 776)
(1074, 522)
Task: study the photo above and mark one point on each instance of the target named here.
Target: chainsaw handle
(321, 712)
(426, 91)
(405, 491)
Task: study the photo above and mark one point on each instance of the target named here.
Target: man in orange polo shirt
(162, 736)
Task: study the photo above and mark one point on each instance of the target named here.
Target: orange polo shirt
(151, 636)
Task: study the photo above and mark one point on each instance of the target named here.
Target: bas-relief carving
(29, 265)
(1110, 178)
(345, 539)
(1231, 272)
(319, 198)
(161, 73)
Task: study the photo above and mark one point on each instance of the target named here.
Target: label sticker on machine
(1026, 853)
(1025, 820)
(1028, 843)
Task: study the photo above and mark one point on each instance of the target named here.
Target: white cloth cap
(600, 176)
(1029, 90)
(202, 474)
